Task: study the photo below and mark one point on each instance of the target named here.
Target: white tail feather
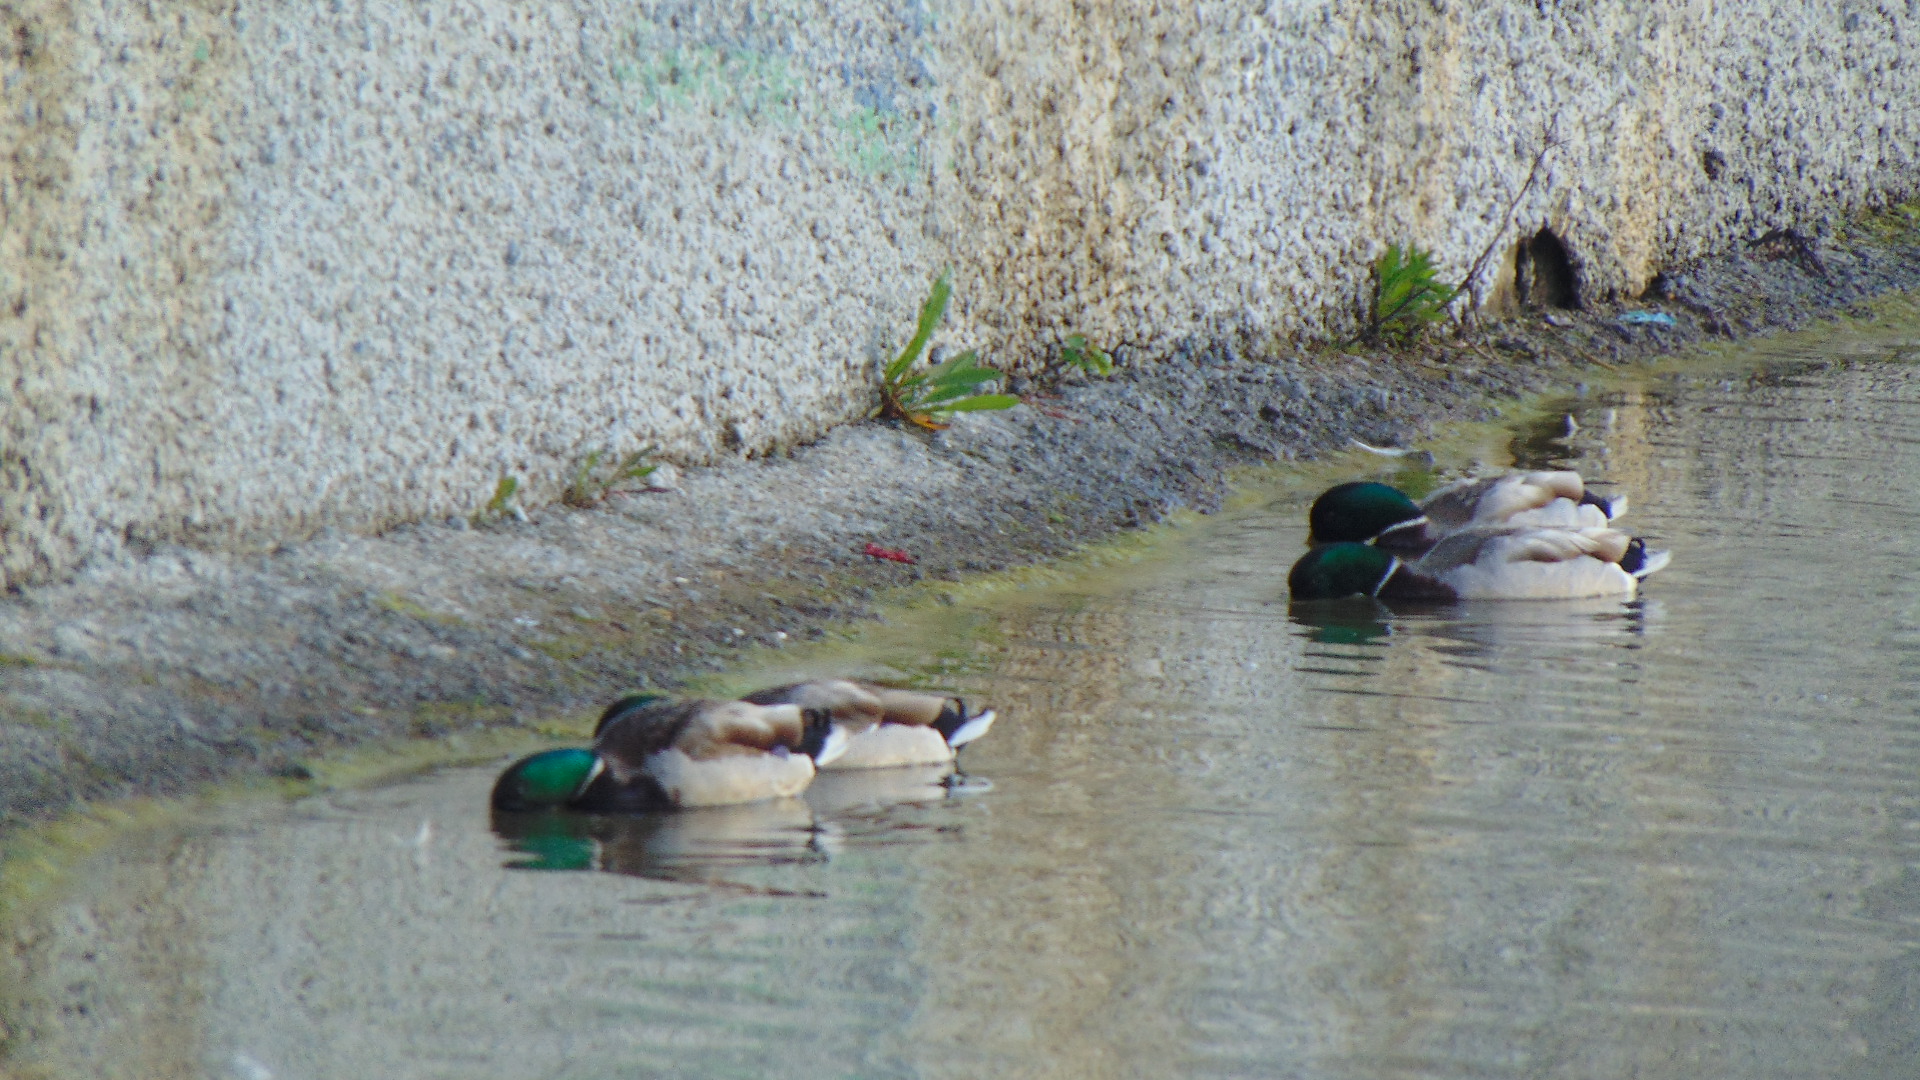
(835, 745)
(975, 727)
(1652, 562)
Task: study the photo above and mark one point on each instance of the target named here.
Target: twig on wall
(1549, 139)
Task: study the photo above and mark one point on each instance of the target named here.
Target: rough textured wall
(1233, 167)
(270, 265)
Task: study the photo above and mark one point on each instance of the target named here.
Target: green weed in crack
(1076, 353)
(502, 504)
(591, 484)
(920, 396)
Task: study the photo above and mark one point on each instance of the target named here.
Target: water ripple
(1211, 836)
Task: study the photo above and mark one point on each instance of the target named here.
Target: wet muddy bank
(175, 667)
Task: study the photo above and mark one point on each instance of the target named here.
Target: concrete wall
(267, 265)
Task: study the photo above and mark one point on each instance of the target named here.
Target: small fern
(947, 387)
(1408, 295)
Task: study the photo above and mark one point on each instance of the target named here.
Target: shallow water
(1210, 836)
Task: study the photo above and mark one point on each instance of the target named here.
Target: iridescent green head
(547, 779)
(624, 706)
(1359, 512)
(1332, 571)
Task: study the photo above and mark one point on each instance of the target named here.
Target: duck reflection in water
(676, 847)
(1495, 625)
(1477, 628)
(1353, 621)
(693, 846)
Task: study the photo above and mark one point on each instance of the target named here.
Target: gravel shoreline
(176, 667)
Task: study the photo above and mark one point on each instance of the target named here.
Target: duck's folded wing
(633, 736)
(850, 702)
(1456, 550)
(1555, 564)
(1531, 564)
(729, 728)
(916, 707)
(1561, 514)
(700, 729)
(1493, 501)
(1561, 545)
(1453, 506)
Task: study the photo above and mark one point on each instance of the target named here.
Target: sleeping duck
(654, 753)
(887, 726)
(1370, 512)
(1511, 564)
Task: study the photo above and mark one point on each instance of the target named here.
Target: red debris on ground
(889, 554)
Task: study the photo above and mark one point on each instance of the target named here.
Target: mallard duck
(1366, 511)
(887, 726)
(1510, 564)
(653, 753)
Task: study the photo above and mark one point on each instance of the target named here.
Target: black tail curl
(816, 726)
(1606, 503)
(951, 718)
(1636, 557)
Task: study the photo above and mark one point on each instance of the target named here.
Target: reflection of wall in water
(1255, 866)
(1047, 927)
(1749, 479)
(114, 984)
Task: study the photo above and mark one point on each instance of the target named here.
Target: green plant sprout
(1076, 353)
(944, 388)
(589, 488)
(502, 502)
(1408, 295)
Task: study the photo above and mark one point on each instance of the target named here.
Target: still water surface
(1210, 836)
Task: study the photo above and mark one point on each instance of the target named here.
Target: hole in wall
(1712, 163)
(1543, 272)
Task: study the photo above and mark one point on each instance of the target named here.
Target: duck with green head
(1366, 511)
(1513, 564)
(654, 753)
